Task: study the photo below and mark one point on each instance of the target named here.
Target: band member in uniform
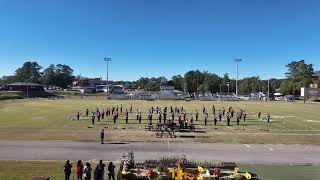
(268, 117)
(130, 109)
(203, 110)
(165, 115)
(215, 120)
(140, 117)
(244, 116)
(184, 116)
(228, 119)
(205, 118)
(98, 115)
(137, 115)
(126, 116)
(159, 116)
(238, 118)
(214, 110)
(197, 115)
(259, 115)
(220, 115)
(87, 112)
(114, 116)
(223, 111)
(102, 114)
(78, 116)
(93, 118)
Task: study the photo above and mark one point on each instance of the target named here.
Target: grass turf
(17, 170)
(292, 123)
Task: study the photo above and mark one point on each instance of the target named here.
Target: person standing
(214, 110)
(87, 171)
(197, 115)
(228, 119)
(67, 170)
(220, 115)
(102, 136)
(87, 112)
(121, 109)
(244, 116)
(259, 115)
(126, 116)
(111, 168)
(99, 171)
(98, 115)
(268, 117)
(238, 119)
(102, 114)
(130, 109)
(223, 111)
(79, 170)
(78, 116)
(93, 118)
(114, 116)
(205, 118)
(215, 120)
(165, 115)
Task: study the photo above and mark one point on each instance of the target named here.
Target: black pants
(67, 176)
(79, 176)
(111, 176)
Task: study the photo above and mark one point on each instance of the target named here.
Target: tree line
(299, 74)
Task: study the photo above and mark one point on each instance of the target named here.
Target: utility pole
(107, 60)
(268, 89)
(237, 60)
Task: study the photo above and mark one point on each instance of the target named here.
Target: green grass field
(52, 120)
(17, 170)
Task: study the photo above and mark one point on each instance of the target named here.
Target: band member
(164, 115)
(191, 120)
(137, 114)
(87, 112)
(98, 115)
(238, 118)
(197, 115)
(130, 109)
(203, 110)
(78, 116)
(214, 110)
(268, 117)
(223, 111)
(228, 119)
(259, 115)
(220, 115)
(140, 117)
(244, 116)
(205, 118)
(121, 108)
(93, 117)
(215, 120)
(126, 116)
(232, 112)
(159, 116)
(114, 116)
(184, 116)
(102, 114)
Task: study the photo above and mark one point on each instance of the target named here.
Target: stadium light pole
(107, 60)
(237, 60)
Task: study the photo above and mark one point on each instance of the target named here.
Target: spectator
(79, 170)
(67, 170)
(87, 171)
(111, 168)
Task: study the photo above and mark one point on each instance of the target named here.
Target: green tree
(299, 75)
(29, 72)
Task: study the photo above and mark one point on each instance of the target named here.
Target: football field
(291, 123)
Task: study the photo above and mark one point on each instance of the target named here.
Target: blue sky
(160, 37)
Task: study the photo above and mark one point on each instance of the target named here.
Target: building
(23, 86)
(166, 92)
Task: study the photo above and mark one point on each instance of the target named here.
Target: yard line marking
(280, 126)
